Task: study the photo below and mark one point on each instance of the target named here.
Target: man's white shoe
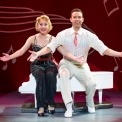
(91, 110)
(68, 113)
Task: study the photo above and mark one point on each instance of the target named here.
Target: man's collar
(80, 31)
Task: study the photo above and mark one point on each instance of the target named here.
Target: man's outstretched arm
(34, 55)
(70, 56)
(113, 53)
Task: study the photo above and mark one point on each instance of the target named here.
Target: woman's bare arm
(18, 53)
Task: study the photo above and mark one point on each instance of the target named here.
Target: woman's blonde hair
(43, 17)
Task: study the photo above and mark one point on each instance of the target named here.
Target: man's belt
(76, 64)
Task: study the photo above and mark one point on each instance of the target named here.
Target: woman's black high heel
(51, 111)
(40, 113)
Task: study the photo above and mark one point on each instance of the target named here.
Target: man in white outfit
(78, 42)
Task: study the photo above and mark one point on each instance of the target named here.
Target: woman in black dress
(43, 68)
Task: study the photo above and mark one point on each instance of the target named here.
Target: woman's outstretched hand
(33, 56)
(5, 57)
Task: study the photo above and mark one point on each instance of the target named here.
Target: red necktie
(75, 39)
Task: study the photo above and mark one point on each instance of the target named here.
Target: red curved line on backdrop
(6, 7)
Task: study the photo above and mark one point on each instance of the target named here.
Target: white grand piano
(104, 80)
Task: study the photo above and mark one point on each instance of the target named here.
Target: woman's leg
(40, 89)
(39, 74)
(50, 84)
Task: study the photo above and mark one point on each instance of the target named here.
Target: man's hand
(120, 54)
(33, 56)
(80, 60)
